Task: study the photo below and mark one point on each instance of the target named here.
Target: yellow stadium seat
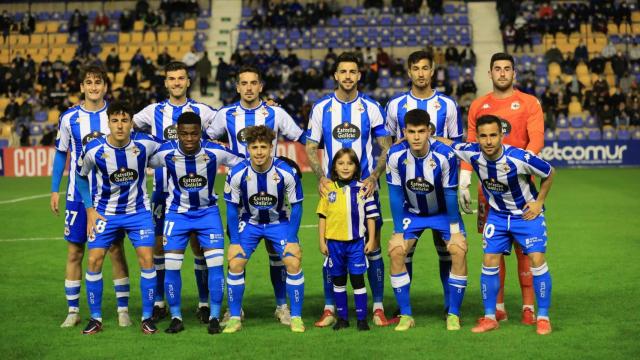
(582, 69)
(60, 38)
(190, 24)
(612, 28)
(124, 38)
(149, 50)
(554, 71)
(608, 69)
(149, 37)
(23, 41)
(138, 25)
(53, 116)
(163, 36)
(120, 77)
(52, 27)
(635, 28)
(4, 101)
(136, 37)
(635, 16)
(4, 56)
(611, 80)
(625, 28)
(38, 57)
(41, 27)
(38, 39)
(175, 36)
(574, 106)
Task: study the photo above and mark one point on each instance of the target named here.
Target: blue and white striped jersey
(77, 127)
(234, 119)
(120, 173)
(443, 112)
(423, 179)
(191, 177)
(506, 182)
(160, 121)
(347, 125)
(263, 196)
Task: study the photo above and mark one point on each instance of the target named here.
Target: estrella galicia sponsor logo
(506, 127)
(240, 136)
(495, 186)
(91, 136)
(346, 133)
(192, 182)
(263, 200)
(124, 176)
(171, 132)
(420, 186)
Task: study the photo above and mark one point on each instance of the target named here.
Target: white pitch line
(27, 198)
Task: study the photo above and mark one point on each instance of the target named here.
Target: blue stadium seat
(36, 129)
(411, 20)
(328, 83)
(333, 21)
(384, 83)
(623, 134)
(576, 121)
(347, 10)
(594, 134)
(549, 135)
(360, 21)
(563, 134)
(608, 134)
(246, 11)
(346, 21)
(203, 24)
(385, 21)
(43, 16)
(463, 20)
(437, 20)
(4, 143)
(635, 134)
(579, 134)
(449, 8)
(40, 116)
(562, 123)
(591, 122)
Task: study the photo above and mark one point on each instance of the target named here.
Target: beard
(505, 87)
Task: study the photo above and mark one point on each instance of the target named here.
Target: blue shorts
(75, 222)
(347, 256)
(251, 234)
(501, 230)
(158, 208)
(414, 225)
(205, 223)
(139, 228)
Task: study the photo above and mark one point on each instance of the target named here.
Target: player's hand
(458, 240)
(531, 210)
(324, 249)
(234, 251)
(397, 240)
(398, 141)
(464, 199)
(92, 219)
(370, 185)
(371, 246)
(324, 186)
(55, 198)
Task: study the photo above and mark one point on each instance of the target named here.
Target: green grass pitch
(594, 242)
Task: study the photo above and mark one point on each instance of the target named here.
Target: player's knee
(95, 262)
(537, 259)
(491, 260)
(396, 252)
(236, 265)
(292, 264)
(75, 254)
(357, 281)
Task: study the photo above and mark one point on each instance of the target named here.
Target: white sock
(201, 304)
(493, 317)
(332, 308)
(500, 306)
(531, 307)
(159, 304)
(378, 305)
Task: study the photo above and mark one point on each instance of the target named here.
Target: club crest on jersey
(227, 188)
(171, 132)
(332, 197)
(506, 168)
(91, 136)
(486, 106)
(515, 105)
(346, 133)
(135, 150)
(192, 182)
(124, 176)
(420, 186)
(495, 186)
(67, 231)
(360, 108)
(276, 177)
(263, 200)
(205, 158)
(104, 155)
(432, 164)
(436, 105)
(164, 240)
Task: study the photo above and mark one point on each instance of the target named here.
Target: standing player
(350, 119)
(119, 205)
(191, 165)
(446, 122)
(160, 120)
(424, 174)
(256, 191)
(78, 126)
(234, 120)
(515, 214)
(523, 127)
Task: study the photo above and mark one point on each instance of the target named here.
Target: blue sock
(214, 259)
(173, 283)
(360, 296)
(235, 292)
(295, 290)
(490, 285)
(444, 262)
(401, 284)
(340, 296)
(375, 274)
(328, 284)
(200, 271)
(158, 262)
(542, 286)
(94, 284)
(122, 289)
(408, 261)
(457, 286)
(148, 285)
(278, 278)
(72, 291)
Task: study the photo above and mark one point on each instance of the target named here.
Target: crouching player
(256, 191)
(516, 213)
(120, 204)
(192, 208)
(423, 175)
(346, 215)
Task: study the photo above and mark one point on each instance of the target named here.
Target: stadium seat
(635, 134)
(608, 134)
(562, 123)
(576, 121)
(591, 122)
(623, 134)
(594, 134)
(563, 134)
(549, 135)
(579, 134)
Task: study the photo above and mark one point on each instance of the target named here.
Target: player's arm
(232, 198)
(143, 119)
(63, 140)
(391, 123)
(450, 182)
(82, 185)
(216, 127)
(289, 129)
(454, 123)
(371, 213)
(395, 192)
(384, 140)
(322, 226)
(535, 127)
(464, 198)
(539, 167)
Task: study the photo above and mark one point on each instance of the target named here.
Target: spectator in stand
(74, 21)
(609, 51)
(467, 89)
(131, 79)
(549, 101)
(190, 59)
(151, 22)
(634, 111)
(292, 59)
(596, 65)
(164, 58)
(148, 69)
(126, 21)
(192, 8)
(574, 88)
(619, 64)
(568, 64)
(142, 9)
(622, 14)
(581, 53)
(627, 83)
(28, 24)
(634, 53)
(622, 118)
(600, 86)
(49, 136)
(553, 54)
(383, 59)
(101, 22)
(606, 117)
(25, 133)
(435, 7)
(373, 7)
(138, 59)
(203, 71)
(451, 55)
(113, 62)
(615, 98)
(468, 57)
(508, 37)
(12, 110)
(6, 22)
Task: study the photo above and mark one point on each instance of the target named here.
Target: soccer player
(256, 191)
(192, 208)
(78, 126)
(350, 119)
(160, 120)
(424, 174)
(118, 205)
(523, 127)
(515, 214)
(234, 120)
(445, 121)
(345, 216)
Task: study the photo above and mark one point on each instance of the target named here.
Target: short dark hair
(95, 70)
(347, 57)
(119, 107)
(249, 69)
(175, 66)
(488, 119)
(189, 118)
(501, 56)
(293, 165)
(259, 133)
(352, 156)
(416, 56)
(417, 117)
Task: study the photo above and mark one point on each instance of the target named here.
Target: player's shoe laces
(543, 327)
(159, 313)
(148, 326)
(283, 314)
(363, 325)
(233, 325)
(485, 324)
(175, 326)
(528, 317)
(379, 319)
(203, 314)
(214, 326)
(341, 324)
(453, 322)
(395, 318)
(227, 316)
(94, 326)
(406, 322)
(123, 318)
(501, 315)
(297, 325)
(327, 319)
(73, 319)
